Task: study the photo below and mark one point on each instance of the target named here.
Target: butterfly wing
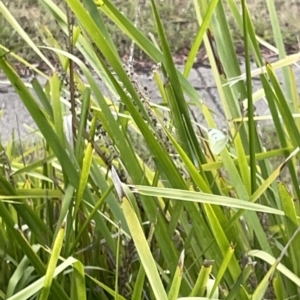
(217, 140)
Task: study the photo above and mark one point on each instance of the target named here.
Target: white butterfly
(217, 140)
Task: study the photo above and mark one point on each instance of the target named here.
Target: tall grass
(196, 214)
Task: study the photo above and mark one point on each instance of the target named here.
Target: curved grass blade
(58, 243)
(176, 282)
(203, 198)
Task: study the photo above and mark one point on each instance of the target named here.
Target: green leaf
(52, 264)
(203, 198)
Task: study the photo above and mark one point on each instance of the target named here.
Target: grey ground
(16, 118)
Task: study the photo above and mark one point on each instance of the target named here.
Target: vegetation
(178, 17)
(129, 199)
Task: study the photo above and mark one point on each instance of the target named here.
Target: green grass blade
(8, 16)
(38, 284)
(84, 176)
(80, 284)
(202, 279)
(57, 108)
(176, 282)
(222, 269)
(52, 264)
(197, 42)
(143, 251)
(203, 198)
(18, 273)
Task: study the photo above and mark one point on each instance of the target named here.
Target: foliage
(177, 16)
(93, 218)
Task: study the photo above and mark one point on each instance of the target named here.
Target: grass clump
(179, 17)
(193, 213)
